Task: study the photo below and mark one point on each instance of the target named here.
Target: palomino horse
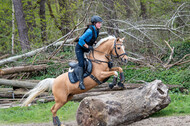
(64, 90)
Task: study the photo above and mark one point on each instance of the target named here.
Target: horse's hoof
(111, 86)
(121, 85)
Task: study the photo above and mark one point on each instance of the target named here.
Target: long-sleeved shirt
(87, 36)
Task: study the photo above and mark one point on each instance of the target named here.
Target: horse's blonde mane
(104, 40)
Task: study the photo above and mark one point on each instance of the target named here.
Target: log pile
(123, 107)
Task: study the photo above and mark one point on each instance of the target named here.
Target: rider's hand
(90, 47)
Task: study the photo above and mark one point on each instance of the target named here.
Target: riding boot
(80, 75)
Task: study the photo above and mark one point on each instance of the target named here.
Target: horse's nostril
(125, 60)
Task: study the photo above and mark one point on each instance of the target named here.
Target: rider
(85, 44)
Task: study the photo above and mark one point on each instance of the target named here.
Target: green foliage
(174, 75)
(181, 49)
(37, 113)
(5, 23)
(180, 105)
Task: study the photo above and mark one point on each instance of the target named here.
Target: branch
(178, 62)
(171, 54)
(138, 61)
(69, 34)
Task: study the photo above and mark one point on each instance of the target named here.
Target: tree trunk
(22, 28)
(64, 16)
(43, 20)
(16, 83)
(13, 28)
(19, 69)
(123, 107)
(143, 10)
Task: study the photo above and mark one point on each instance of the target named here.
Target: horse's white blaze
(123, 48)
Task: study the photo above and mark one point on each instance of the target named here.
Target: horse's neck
(106, 47)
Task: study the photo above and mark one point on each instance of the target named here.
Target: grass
(180, 105)
(37, 113)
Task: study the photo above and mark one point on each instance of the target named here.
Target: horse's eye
(118, 47)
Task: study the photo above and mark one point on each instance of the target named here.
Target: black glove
(90, 47)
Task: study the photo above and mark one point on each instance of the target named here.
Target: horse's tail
(37, 90)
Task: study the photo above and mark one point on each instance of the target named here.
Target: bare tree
(22, 28)
(43, 20)
(63, 4)
(13, 27)
(143, 10)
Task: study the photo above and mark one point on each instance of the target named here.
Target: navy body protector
(93, 39)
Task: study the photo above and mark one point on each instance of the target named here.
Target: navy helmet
(96, 19)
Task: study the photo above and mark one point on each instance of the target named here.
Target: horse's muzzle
(124, 60)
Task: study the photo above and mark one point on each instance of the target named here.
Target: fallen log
(16, 83)
(19, 69)
(123, 107)
(4, 56)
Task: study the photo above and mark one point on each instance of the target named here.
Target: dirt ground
(161, 121)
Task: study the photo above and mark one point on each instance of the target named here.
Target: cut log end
(123, 107)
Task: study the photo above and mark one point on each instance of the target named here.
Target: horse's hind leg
(56, 107)
(58, 104)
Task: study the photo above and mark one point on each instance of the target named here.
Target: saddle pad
(88, 69)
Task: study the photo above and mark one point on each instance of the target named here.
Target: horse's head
(119, 50)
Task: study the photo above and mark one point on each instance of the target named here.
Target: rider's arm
(86, 35)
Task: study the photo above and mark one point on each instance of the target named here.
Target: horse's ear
(117, 39)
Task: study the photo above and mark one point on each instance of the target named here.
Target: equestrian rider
(85, 44)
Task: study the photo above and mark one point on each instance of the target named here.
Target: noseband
(114, 48)
(107, 55)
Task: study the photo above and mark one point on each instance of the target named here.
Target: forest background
(157, 39)
(156, 32)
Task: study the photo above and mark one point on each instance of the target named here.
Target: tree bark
(13, 27)
(22, 28)
(143, 9)
(43, 20)
(64, 16)
(16, 83)
(123, 107)
(19, 69)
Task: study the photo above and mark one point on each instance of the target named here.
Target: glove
(90, 47)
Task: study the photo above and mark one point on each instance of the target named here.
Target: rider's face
(98, 25)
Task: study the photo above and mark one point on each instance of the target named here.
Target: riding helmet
(96, 19)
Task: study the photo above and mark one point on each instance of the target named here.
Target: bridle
(110, 60)
(114, 48)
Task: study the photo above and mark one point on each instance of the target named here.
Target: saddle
(74, 68)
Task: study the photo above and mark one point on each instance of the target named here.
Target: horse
(63, 90)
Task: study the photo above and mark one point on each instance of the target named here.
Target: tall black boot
(80, 75)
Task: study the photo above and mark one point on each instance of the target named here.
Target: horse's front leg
(122, 78)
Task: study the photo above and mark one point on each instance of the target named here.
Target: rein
(107, 55)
